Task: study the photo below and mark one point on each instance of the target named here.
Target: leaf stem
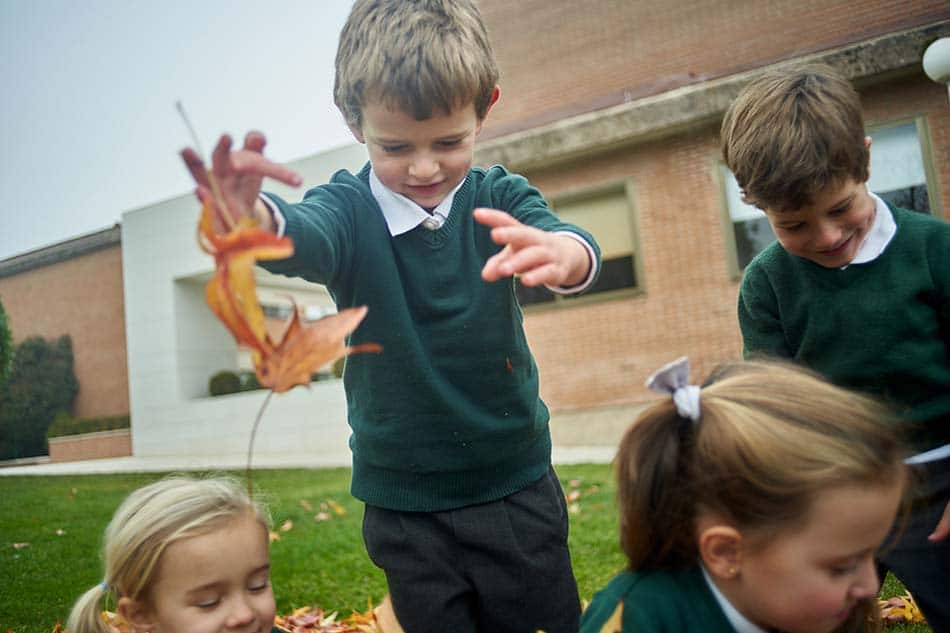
(250, 445)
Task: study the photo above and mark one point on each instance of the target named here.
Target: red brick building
(75, 288)
(613, 109)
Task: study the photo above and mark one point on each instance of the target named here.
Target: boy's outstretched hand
(537, 257)
(237, 175)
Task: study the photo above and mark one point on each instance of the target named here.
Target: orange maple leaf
(232, 296)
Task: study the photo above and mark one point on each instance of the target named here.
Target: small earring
(732, 572)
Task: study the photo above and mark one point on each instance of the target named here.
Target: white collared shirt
(402, 214)
(738, 621)
(882, 231)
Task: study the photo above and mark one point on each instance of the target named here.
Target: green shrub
(249, 381)
(224, 382)
(6, 347)
(65, 424)
(41, 385)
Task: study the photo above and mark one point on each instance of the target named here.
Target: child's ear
(494, 97)
(720, 548)
(136, 613)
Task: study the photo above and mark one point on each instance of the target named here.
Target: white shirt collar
(402, 214)
(738, 621)
(881, 233)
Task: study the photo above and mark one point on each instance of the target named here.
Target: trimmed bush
(41, 386)
(6, 347)
(224, 382)
(249, 381)
(65, 424)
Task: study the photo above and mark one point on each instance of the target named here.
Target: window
(606, 213)
(897, 167)
(898, 175)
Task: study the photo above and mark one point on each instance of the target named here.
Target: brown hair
(419, 56)
(770, 437)
(792, 132)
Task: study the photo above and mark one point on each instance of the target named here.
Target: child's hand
(942, 530)
(537, 257)
(237, 176)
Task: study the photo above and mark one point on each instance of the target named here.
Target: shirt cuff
(279, 220)
(592, 257)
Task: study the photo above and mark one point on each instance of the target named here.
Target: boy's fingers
(494, 218)
(195, 165)
(255, 141)
(255, 163)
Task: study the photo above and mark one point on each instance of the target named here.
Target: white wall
(175, 343)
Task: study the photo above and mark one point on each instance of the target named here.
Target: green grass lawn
(314, 562)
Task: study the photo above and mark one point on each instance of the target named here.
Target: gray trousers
(922, 566)
(495, 567)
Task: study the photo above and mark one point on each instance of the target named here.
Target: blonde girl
(755, 503)
(184, 554)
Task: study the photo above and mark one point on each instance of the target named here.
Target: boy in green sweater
(450, 441)
(853, 288)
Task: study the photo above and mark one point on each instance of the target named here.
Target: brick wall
(562, 58)
(72, 448)
(82, 297)
(600, 353)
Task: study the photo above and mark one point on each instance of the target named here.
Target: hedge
(65, 424)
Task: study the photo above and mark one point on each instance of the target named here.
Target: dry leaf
(306, 505)
(287, 526)
(232, 296)
(321, 516)
(20, 545)
(336, 507)
(900, 609)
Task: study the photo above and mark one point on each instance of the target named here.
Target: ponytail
(656, 502)
(86, 615)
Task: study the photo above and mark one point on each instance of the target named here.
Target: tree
(6, 347)
(41, 385)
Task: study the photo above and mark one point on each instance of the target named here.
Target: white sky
(88, 125)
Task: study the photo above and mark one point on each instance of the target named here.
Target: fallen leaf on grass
(306, 505)
(900, 609)
(20, 545)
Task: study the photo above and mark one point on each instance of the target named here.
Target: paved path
(562, 455)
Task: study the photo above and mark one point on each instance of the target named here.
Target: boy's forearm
(264, 217)
(580, 265)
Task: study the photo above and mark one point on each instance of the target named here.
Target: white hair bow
(673, 378)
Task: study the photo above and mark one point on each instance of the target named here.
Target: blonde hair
(418, 56)
(793, 132)
(149, 520)
(770, 437)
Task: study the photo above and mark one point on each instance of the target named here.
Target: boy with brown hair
(853, 288)
(451, 447)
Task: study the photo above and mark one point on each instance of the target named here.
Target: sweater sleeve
(759, 318)
(321, 227)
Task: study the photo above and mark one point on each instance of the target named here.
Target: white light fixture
(937, 61)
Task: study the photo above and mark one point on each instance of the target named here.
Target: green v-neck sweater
(677, 601)
(448, 414)
(881, 327)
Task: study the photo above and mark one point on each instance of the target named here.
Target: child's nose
(241, 614)
(423, 167)
(867, 583)
(828, 236)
